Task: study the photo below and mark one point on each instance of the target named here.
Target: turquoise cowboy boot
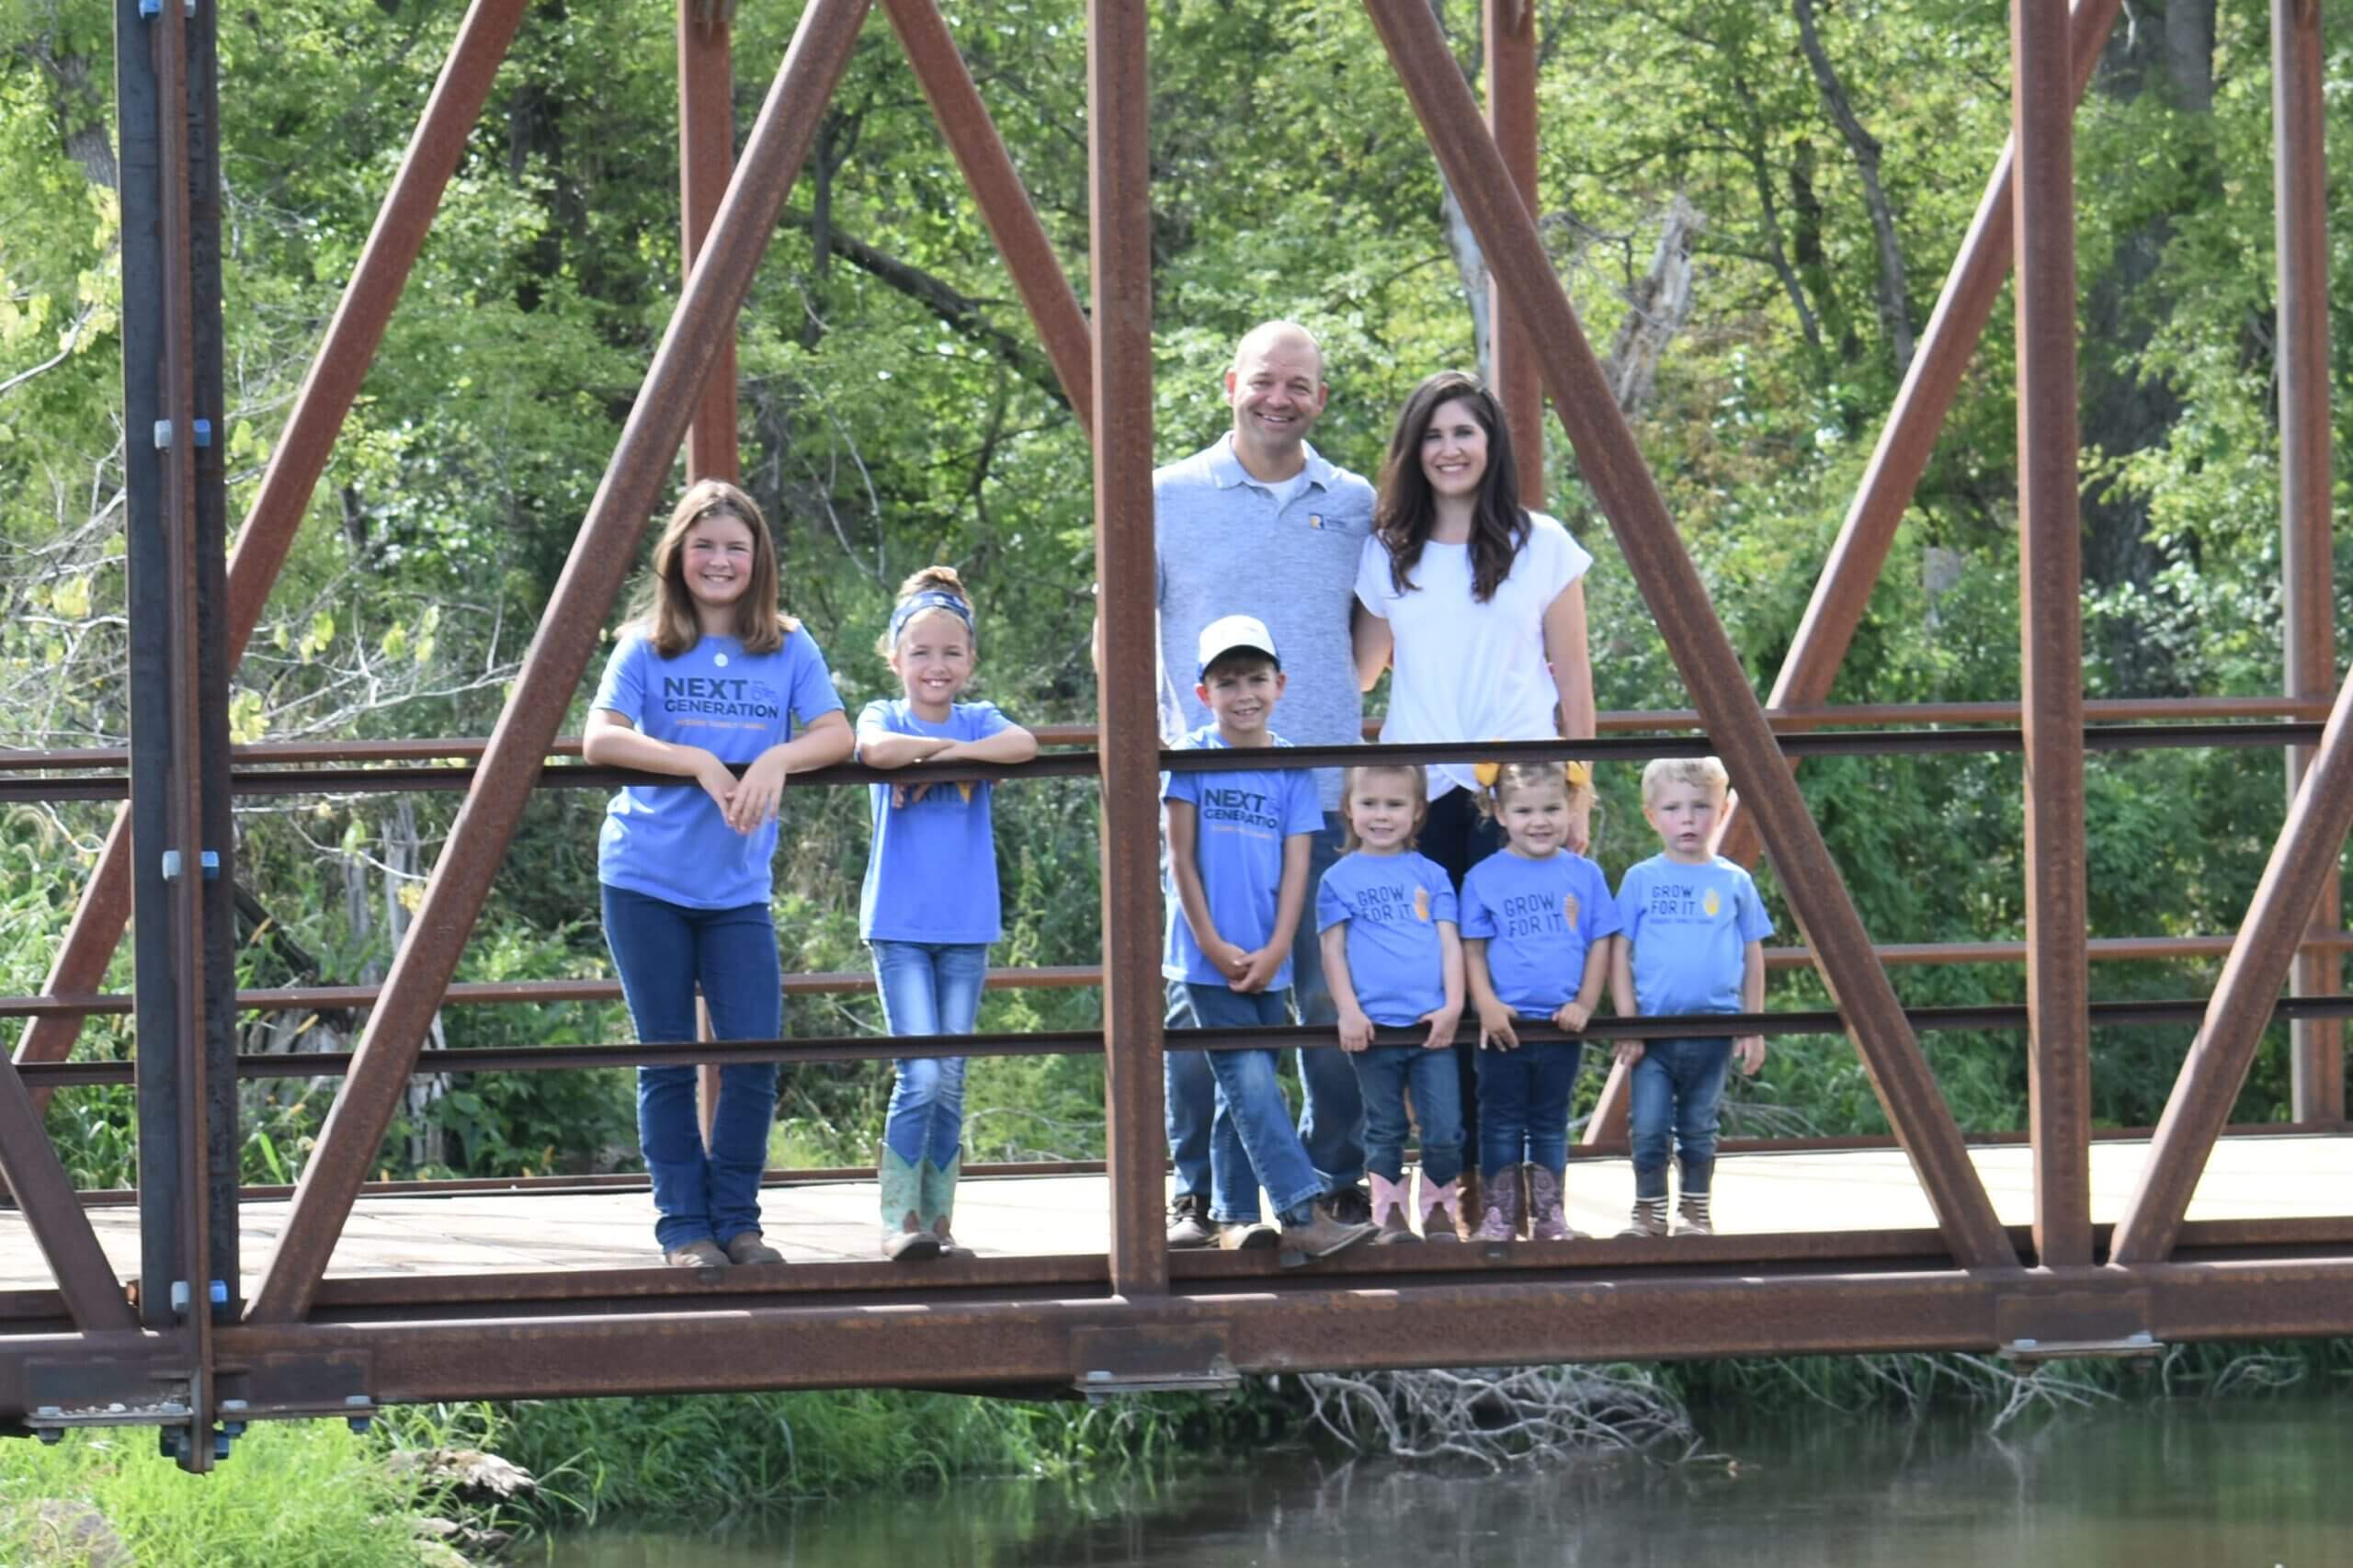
(940, 1198)
(905, 1237)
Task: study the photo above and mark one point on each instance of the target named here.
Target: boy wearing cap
(1238, 844)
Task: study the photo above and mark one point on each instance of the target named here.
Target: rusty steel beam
(1004, 201)
(706, 158)
(560, 652)
(1612, 466)
(302, 453)
(40, 1187)
(1212, 1329)
(1518, 382)
(1068, 977)
(2216, 1065)
(2307, 519)
(1118, 185)
(2108, 712)
(178, 772)
(1909, 437)
(2050, 661)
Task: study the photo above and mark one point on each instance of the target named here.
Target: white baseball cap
(1233, 633)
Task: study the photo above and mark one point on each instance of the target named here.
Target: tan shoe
(1252, 1237)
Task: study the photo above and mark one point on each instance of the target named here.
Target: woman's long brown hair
(1408, 511)
(668, 617)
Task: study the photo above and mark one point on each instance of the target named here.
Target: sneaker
(1692, 1218)
(1189, 1222)
(1350, 1205)
(701, 1252)
(1253, 1236)
(746, 1247)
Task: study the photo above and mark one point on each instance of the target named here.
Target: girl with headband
(930, 908)
(709, 679)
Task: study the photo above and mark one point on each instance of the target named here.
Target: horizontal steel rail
(28, 788)
(1088, 1042)
(1072, 977)
(2110, 711)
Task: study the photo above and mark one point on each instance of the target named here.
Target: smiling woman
(1479, 603)
(710, 676)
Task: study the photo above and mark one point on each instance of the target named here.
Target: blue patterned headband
(929, 599)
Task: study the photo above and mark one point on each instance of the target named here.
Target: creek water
(2264, 1483)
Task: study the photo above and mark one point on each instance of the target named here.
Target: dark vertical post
(2307, 564)
(1511, 119)
(224, 1145)
(559, 653)
(1909, 437)
(301, 455)
(1120, 211)
(146, 260)
(2058, 977)
(182, 762)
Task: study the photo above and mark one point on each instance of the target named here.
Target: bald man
(1260, 524)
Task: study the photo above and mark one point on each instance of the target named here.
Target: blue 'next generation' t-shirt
(1690, 926)
(1540, 920)
(1241, 818)
(931, 873)
(1393, 904)
(669, 841)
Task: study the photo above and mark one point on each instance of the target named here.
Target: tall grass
(707, 1457)
(290, 1494)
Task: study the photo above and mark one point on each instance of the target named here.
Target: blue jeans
(1252, 1142)
(663, 950)
(1384, 1074)
(1524, 1105)
(1331, 1118)
(928, 988)
(1676, 1091)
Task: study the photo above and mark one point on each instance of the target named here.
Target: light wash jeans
(1330, 1115)
(1252, 1136)
(928, 988)
(661, 951)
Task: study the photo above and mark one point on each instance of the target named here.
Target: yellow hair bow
(1579, 774)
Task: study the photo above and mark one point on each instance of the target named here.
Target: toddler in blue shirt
(1239, 842)
(1536, 920)
(1393, 958)
(929, 907)
(1693, 943)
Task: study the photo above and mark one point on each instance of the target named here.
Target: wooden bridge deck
(2249, 1178)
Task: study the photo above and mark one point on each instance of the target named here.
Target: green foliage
(293, 1493)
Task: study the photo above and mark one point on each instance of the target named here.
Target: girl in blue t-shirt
(1393, 958)
(1536, 920)
(929, 907)
(706, 680)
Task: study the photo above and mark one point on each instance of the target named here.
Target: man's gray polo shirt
(1225, 548)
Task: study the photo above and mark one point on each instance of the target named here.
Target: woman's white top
(1467, 671)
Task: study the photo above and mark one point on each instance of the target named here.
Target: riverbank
(316, 1493)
